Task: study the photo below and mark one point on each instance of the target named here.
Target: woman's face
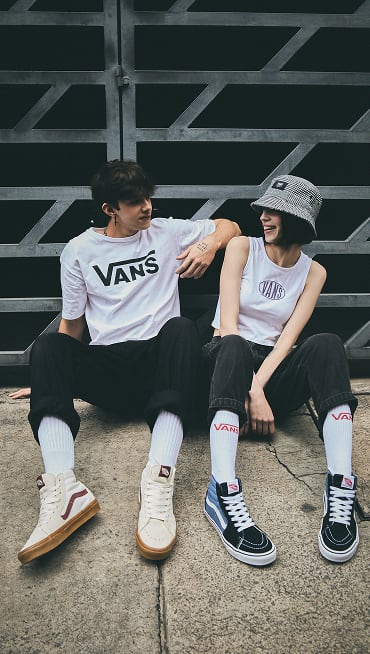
(272, 226)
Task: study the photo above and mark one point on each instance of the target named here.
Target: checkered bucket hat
(293, 195)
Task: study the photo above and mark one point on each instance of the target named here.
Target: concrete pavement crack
(161, 611)
(272, 449)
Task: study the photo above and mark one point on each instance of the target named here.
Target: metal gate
(214, 98)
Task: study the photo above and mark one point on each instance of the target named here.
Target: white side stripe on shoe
(216, 510)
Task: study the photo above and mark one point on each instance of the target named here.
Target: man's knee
(179, 328)
(47, 344)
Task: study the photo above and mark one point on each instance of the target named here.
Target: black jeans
(142, 377)
(317, 368)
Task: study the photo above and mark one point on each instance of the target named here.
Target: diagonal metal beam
(363, 9)
(363, 123)
(41, 107)
(46, 222)
(197, 106)
(362, 233)
(208, 209)
(180, 6)
(291, 161)
(290, 48)
(22, 5)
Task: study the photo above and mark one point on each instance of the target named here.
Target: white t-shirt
(127, 287)
(268, 294)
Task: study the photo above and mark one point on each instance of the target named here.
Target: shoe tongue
(344, 481)
(161, 473)
(231, 487)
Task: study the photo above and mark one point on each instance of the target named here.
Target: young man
(122, 281)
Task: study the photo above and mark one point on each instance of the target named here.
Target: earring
(115, 220)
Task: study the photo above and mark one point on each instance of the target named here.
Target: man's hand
(20, 393)
(196, 259)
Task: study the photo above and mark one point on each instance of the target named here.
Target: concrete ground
(95, 595)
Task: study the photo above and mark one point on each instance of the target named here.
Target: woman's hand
(262, 419)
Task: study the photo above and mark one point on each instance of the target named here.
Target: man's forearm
(224, 232)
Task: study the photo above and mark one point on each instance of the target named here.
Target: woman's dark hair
(295, 230)
(119, 180)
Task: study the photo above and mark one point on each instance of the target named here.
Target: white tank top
(268, 294)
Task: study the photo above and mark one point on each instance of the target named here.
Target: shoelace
(157, 499)
(340, 505)
(238, 512)
(47, 503)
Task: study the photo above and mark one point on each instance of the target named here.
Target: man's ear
(107, 209)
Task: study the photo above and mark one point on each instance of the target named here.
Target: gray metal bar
(51, 18)
(175, 133)
(291, 161)
(363, 123)
(112, 134)
(30, 304)
(252, 77)
(54, 136)
(290, 48)
(249, 19)
(52, 77)
(208, 209)
(362, 233)
(40, 108)
(40, 304)
(363, 9)
(45, 193)
(45, 223)
(21, 5)
(128, 98)
(38, 250)
(198, 191)
(196, 107)
(180, 5)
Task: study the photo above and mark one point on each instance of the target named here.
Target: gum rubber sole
(151, 553)
(60, 535)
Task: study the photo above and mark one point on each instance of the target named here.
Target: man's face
(131, 216)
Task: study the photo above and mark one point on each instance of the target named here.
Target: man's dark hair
(295, 230)
(120, 180)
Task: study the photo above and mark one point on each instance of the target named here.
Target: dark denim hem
(227, 404)
(336, 400)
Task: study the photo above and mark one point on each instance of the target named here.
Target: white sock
(224, 434)
(167, 437)
(337, 433)
(57, 445)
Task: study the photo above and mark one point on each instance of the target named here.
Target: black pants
(142, 377)
(317, 368)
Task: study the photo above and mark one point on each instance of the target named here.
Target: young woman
(268, 291)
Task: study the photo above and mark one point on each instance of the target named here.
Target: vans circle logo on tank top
(271, 290)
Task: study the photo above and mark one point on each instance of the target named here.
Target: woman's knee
(324, 345)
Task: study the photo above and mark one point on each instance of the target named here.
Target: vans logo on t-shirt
(272, 290)
(128, 271)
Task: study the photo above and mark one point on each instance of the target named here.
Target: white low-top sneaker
(156, 531)
(65, 505)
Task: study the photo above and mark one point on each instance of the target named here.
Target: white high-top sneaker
(156, 531)
(66, 504)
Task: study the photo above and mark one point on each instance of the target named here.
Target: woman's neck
(284, 256)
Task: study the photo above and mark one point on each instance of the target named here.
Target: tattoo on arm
(202, 246)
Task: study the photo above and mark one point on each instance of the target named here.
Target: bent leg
(231, 364)
(176, 362)
(317, 368)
